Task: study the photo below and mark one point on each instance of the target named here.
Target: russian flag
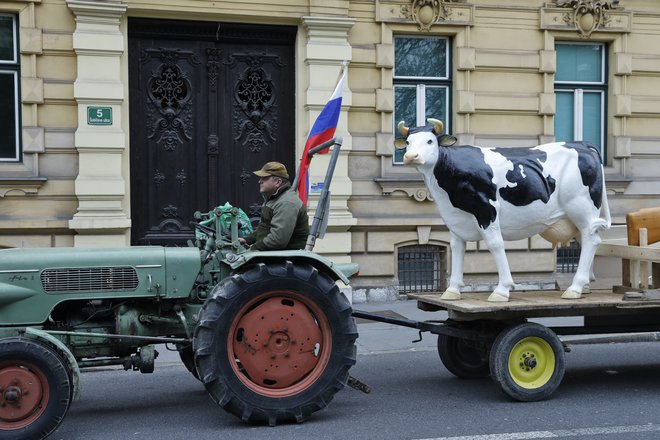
(323, 130)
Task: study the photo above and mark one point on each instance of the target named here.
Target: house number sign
(99, 115)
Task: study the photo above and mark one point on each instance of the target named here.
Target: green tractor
(269, 334)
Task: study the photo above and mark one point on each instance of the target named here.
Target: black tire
(527, 362)
(187, 356)
(461, 358)
(275, 343)
(36, 389)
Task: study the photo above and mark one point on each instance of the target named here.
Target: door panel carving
(206, 107)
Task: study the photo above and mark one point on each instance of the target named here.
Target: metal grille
(568, 257)
(89, 279)
(421, 268)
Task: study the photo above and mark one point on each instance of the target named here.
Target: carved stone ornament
(427, 12)
(412, 187)
(587, 15)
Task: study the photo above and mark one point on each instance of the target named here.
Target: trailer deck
(535, 304)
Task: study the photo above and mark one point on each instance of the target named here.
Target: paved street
(609, 391)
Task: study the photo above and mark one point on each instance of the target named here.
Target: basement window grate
(421, 268)
(89, 279)
(568, 257)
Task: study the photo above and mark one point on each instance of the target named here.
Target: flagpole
(312, 152)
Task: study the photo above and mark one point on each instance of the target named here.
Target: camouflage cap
(272, 169)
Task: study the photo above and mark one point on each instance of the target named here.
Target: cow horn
(401, 126)
(437, 124)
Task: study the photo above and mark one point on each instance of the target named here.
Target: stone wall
(72, 187)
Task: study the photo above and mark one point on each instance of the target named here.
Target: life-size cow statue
(496, 194)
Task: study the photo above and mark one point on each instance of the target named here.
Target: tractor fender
(64, 351)
(336, 271)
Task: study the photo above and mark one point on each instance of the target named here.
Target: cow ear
(400, 144)
(447, 140)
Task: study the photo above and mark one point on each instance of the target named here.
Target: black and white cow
(496, 194)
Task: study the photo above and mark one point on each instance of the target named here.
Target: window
(9, 97)
(581, 88)
(422, 82)
(568, 257)
(421, 268)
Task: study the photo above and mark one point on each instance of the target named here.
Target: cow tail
(600, 224)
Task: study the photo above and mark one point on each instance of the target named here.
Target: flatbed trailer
(526, 358)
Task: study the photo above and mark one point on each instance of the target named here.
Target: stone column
(327, 47)
(101, 219)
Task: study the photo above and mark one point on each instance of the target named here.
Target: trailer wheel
(275, 343)
(35, 389)
(527, 361)
(462, 359)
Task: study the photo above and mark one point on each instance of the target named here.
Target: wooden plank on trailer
(628, 252)
(528, 304)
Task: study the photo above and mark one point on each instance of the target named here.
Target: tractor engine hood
(33, 281)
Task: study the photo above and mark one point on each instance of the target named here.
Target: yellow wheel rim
(531, 363)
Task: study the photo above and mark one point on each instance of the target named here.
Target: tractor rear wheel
(275, 342)
(188, 358)
(35, 389)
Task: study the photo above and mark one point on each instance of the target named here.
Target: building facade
(120, 118)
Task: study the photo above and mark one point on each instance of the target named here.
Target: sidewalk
(378, 337)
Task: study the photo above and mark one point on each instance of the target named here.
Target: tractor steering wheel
(203, 228)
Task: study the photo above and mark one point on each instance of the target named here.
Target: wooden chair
(643, 229)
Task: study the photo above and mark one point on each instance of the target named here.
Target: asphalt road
(609, 392)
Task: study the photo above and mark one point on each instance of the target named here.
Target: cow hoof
(450, 295)
(585, 290)
(571, 294)
(498, 297)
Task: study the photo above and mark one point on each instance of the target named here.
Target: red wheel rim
(279, 343)
(24, 394)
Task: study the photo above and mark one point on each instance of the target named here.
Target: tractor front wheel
(35, 389)
(275, 343)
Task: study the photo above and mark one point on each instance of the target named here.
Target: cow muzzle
(412, 159)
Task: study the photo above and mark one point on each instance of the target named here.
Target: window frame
(579, 88)
(421, 83)
(12, 67)
(578, 112)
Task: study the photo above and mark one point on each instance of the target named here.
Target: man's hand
(243, 243)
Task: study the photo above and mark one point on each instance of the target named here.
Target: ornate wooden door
(209, 103)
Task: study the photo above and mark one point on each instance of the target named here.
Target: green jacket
(284, 223)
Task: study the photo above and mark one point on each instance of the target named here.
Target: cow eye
(429, 142)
